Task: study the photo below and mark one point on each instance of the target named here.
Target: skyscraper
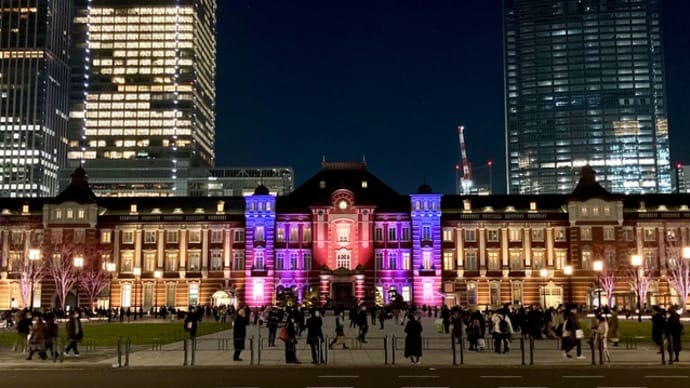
(584, 84)
(34, 83)
(142, 110)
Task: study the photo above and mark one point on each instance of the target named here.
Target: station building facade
(345, 237)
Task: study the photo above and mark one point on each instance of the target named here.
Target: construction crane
(463, 170)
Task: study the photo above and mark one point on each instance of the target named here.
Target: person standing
(272, 326)
(74, 333)
(51, 334)
(339, 333)
(445, 318)
(37, 340)
(291, 342)
(658, 325)
(502, 330)
(413, 339)
(363, 323)
(613, 326)
(673, 331)
(315, 337)
(239, 333)
(23, 329)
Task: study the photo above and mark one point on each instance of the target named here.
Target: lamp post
(34, 255)
(157, 274)
(568, 271)
(137, 273)
(543, 273)
(110, 268)
(78, 263)
(598, 266)
(636, 261)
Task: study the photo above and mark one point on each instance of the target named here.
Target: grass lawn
(628, 328)
(103, 334)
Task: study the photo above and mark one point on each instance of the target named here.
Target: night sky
(387, 79)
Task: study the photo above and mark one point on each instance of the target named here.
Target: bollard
(119, 352)
(251, 350)
(325, 350)
(663, 353)
(393, 352)
(670, 350)
(258, 350)
(522, 349)
(184, 351)
(192, 345)
(594, 359)
(462, 350)
(385, 350)
(128, 346)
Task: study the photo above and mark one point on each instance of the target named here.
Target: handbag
(579, 334)
(283, 336)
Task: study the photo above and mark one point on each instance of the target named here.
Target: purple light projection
(426, 248)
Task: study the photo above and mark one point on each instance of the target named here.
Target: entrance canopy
(224, 298)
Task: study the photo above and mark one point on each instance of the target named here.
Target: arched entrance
(224, 298)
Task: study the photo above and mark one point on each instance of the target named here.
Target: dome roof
(261, 190)
(424, 189)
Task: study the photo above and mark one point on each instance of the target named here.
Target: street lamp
(598, 266)
(34, 255)
(78, 263)
(544, 273)
(568, 271)
(110, 268)
(636, 261)
(137, 273)
(157, 274)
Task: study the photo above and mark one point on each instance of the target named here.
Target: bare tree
(678, 271)
(607, 281)
(94, 278)
(640, 280)
(59, 266)
(32, 274)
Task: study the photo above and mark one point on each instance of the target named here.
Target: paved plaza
(383, 347)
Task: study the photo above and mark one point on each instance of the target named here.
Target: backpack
(503, 326)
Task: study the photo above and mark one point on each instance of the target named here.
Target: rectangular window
(471, 263)
(472, 294)
(342, 260)
(126, 261)
(194, 263)
(516, 261)
(259, 233)
(495, 293)
(406, 233)
(171, 260)
(586, 233)
(670, 235)
(238, 261)
(447, 234)
(609, 233)
(258, 260)
(193, 294)
(392, 260)
(448, 260)
(126, 297)
(149, 261)
(649, 234)
(216, 236)
(127, 237)
(406, 262)
(494, 260)
(586, 260)
(149, 237)
(170, 294)
(515, 234)
(343, 233)
(280, 234)
(171, 236)
(426, 259)
(560, 256)
(306, 258)
(280, 261)
(293, 261)
(106, 236)
(470, 235)
(78, 236)
(538, 234)
(378, 260)
(492, 235)
(378, 234)
(426, 233)
(516, 288)
(306, 234)
(538, 260)
(559, 234)
(239, 235)
(195, 236)
(216, 260)
(392, 233)
(294, 231)
(629, 234)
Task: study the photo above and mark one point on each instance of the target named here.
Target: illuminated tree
(93, 280)
(640, 280)
(59, 266)
(678, 270)
(607, 281)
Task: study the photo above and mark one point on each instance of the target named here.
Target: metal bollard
(185, 344)
(522, 349)
(258, 350)
(128, 348)
(192, 345)
(393, 352)
(531, 350)
(594, 359)
(119, 352)
(385, 350)
(462, 350)
(452, 348)
(670, 350)
(251, 350)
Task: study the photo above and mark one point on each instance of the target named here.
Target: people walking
(502, 330)
(613, 326)
(23, 329)
(658, 325)
(37, 339)
(272, 326)
(363, 323)
(51, 334)
(413, 339)
(339, 333)
(315, 337)
(74, 333)
(239, 333)
(291, 342)
(572, 336)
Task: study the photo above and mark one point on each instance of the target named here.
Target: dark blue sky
(387, 79)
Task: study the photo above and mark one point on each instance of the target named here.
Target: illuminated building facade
(584, 84)
(345, 237)
(34, 79)
(143, 98)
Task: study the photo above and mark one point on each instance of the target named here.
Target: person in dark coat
(673, 331)
(315, 337)
(413, 339)
(239, 333)
(74, 333)
(37, 340)
(272, 326)
(191, 323)
(658, 325)
(51, 334)
(291, 343)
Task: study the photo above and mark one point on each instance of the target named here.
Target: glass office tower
(143, 99)
(584, 84)
(34, 84)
